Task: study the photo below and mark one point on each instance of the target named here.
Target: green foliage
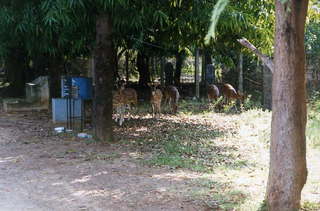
(312, 39)
(313, 124)
(218, 9)
(310, 206)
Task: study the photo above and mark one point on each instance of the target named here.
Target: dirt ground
(42, 170)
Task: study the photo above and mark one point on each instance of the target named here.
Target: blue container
(85, 87)
(59, 109)
(81, 87)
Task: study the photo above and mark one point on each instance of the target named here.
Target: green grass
(310, 206)
(313, 124)
(228, 149)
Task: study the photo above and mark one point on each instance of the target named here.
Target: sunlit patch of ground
(229, 152)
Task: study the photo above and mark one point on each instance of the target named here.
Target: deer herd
(124, 98)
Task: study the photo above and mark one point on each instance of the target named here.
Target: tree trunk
(196, 76)
(15, 66)
(143, 69)
(55, 70)
(206, 60)
(127, 65)
(240, 79)
(104, 56)
(264, 58)
(180, 58)
(288, 172)
(267, 87)
(162, 71)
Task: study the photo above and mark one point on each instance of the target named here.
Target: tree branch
(264, 58)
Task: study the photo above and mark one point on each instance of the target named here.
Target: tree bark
(196, 76)
(288, 172)
(267, 87)
(240, 85)
(180, 57)
(143, 69)
(127, 65)
(105, 64)
(55, 67)
(15, 66)
(162, 71)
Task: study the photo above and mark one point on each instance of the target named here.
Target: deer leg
(116, 114)
(129, 111)
(153, 110)
(122, 110)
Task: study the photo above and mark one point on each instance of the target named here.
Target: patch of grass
(176, 161)
(101, 156)
(310, 206)
(196, 138)
(193, 147)
(218, 195)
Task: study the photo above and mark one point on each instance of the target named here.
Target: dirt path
(40, 170)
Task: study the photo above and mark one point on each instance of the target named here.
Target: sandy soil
(41, 170)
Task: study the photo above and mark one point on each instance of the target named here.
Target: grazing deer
(230, 93)
(213, 92)
(171, 97)
(155, 99)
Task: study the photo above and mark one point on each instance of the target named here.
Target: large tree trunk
(143, 69)
(55, 71)
(180, 58)
(15, 66)
(288, 172)
(104, 55)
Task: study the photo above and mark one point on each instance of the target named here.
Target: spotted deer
(231, 94)
(123, 98)
(155, 99)
(213, 92)
(118, 106)
(171, 97)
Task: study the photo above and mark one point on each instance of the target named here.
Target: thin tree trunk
(240, 85)
(127, 65)
(203, 68)
(180, 57)
(264, 58)
(196, 76)
(267, 87)
(55, 68)
(162, 71)
(143, 69)
(104, 55)
(15, 66)
(288, 172)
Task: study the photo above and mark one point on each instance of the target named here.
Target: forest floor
(191, 161)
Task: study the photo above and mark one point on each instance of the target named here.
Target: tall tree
(105, 63)
(288, 171)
